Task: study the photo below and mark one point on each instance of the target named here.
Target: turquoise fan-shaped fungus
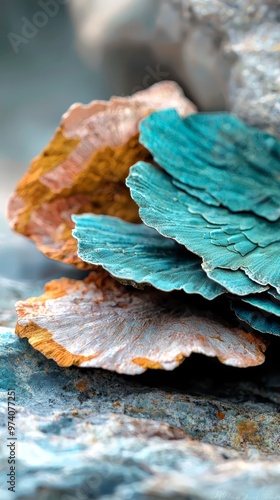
(209, 239)
(216, 194)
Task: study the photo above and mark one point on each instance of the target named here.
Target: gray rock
(85, 455)
(245, 56)
(69, 444)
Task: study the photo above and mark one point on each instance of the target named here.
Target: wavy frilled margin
(208, 162)
(139, 255)
(261, 313)
(210, 227)
(84, 168)
(100, 323)
(210, 232)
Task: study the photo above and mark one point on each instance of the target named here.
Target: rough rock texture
(225, 52)
(243, 36)
(85, 455)
(66, 438)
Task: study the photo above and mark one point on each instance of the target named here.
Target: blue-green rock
(98, 434)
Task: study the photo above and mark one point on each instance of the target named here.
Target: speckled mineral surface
(107, 436)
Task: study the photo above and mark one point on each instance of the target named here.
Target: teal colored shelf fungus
(137, 253)
(210, 208)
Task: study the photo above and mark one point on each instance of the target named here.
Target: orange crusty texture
(84, 167)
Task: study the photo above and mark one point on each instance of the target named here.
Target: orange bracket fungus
(84, 167)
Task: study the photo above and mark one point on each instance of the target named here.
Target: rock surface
(70, 443)
(243, 38)
(85, 455)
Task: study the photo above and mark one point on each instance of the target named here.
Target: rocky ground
(198, 432)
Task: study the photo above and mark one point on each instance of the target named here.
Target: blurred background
(56, 52)
(41, 76)
(38, 84)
